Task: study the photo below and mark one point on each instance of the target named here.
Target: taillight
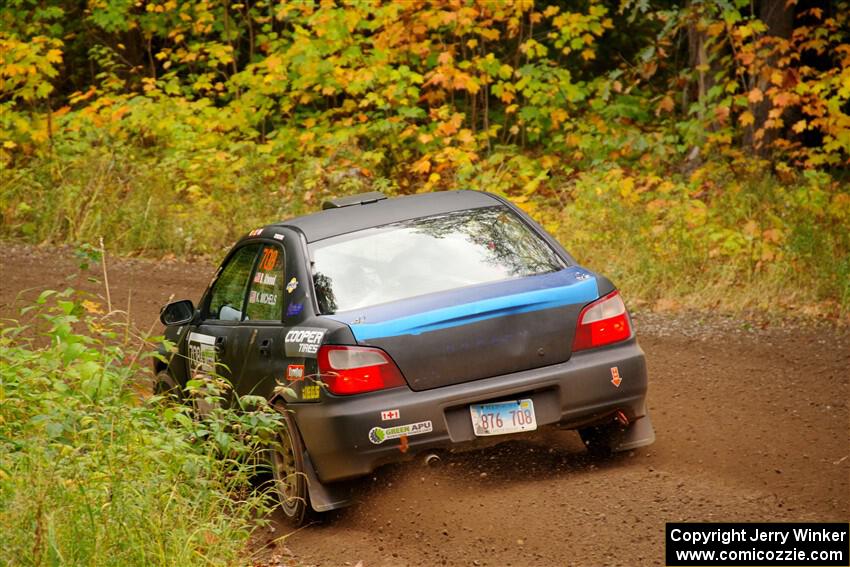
(354, 370)
(603, 322)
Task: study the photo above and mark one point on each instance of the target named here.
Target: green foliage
(713, 238)
(783, 93)
(93, 474)
(169, 126)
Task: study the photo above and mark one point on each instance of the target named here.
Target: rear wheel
(287, 462)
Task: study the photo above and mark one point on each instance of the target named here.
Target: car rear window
(426, 255)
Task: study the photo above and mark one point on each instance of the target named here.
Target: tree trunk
(699, 60)
(778, 17)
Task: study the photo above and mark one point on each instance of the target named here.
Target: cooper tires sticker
(304, 341)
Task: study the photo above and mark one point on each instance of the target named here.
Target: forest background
(697, 152)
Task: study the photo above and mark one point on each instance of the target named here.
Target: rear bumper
(575, 393)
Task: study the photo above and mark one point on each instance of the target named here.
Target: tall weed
(93, 473)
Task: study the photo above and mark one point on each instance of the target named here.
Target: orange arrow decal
(615, 376)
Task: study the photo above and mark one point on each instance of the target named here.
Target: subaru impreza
(382, 328)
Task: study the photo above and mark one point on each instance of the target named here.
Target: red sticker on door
(295, 372)
(615, 376)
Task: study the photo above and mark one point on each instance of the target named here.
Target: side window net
(265, 299)
(228, 293)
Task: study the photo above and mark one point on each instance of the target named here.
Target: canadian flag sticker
(615, 376)
(388, 415)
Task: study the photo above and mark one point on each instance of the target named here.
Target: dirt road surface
(752, 425)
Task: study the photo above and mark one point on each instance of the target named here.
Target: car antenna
(351, 200)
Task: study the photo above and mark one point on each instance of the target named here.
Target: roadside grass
(730, 235)
(728, 243)
(92, 473)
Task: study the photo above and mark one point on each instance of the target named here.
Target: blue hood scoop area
(573, 285)
(478, 331)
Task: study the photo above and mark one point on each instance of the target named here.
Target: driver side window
(265, 300)
(227, 299)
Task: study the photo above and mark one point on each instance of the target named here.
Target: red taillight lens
(603, 322)
(354, 370)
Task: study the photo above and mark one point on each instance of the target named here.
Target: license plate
(503, 417)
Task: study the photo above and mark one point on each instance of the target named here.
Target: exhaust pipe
(432, 459)
(622, 419)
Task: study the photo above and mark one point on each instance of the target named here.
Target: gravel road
(751, 419)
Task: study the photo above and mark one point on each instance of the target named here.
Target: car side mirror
(177, 313)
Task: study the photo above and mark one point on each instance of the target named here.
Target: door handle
(266, 347)
(219, 345)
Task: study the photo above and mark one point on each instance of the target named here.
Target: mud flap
(640, 434)
(324, 497)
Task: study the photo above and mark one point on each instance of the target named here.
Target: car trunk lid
(480, 331)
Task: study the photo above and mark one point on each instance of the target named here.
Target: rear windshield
(426, 255)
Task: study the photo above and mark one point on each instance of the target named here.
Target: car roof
(342, 220)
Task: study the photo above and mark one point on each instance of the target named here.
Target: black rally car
(410, 324)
